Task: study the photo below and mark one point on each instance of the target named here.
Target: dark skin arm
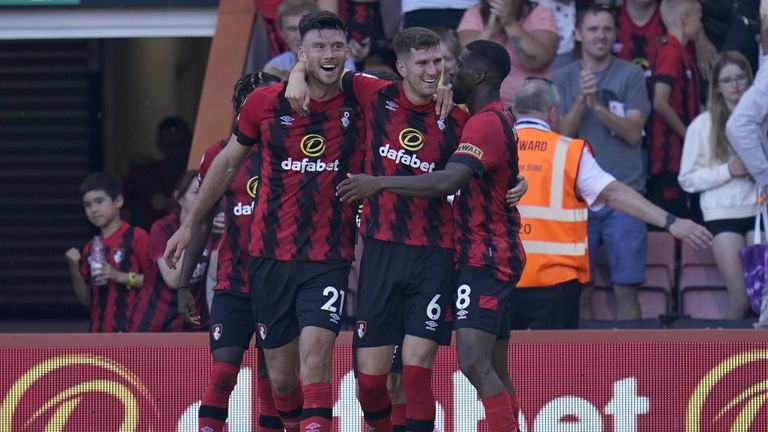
(432, 185)
(200, 233)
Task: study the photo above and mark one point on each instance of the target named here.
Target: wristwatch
(670, 220)
(132, 280)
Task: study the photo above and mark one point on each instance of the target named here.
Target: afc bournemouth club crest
(362, 327)
(216, 331)
(262, 331)
(345, 117)
(441, 124)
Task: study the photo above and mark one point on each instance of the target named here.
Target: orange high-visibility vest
(553, 217)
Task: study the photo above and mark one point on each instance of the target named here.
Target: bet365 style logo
(732, 396)
(72, 392)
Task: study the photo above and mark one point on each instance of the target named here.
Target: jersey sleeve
(246, 127)
(482, 144)
(207, 160)
(666, 68)
(158, 237)
(85, 269)
(362, 86)
(141, 251)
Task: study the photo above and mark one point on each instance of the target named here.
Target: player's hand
(187, 308)
(357, 187)
(514, 195)
(106, 272)
(297, 91)
(73, 256)
(443, 102)
(691, 232)
(175, 246)
(219, 223)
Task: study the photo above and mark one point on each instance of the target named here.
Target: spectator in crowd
(547, 296)
(640, 30)
(676, 102)
(449, 43)
(434, 14)
(267, 9)
(565, 19)
(748, 125)
(288, 15)
(157, 306)
(710, 167)
(115, 260)
(527, 30)
(604, 102)
(148, 187)
(231, 317)
(368, 45)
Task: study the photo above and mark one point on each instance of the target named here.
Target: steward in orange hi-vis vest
(554, 218)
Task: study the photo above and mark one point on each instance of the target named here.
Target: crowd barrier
(568, 381)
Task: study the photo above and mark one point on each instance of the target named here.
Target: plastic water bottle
(98, 261)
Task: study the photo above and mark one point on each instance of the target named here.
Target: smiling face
(324, 52)
(100, 209)
(597, 34)
(421, 71)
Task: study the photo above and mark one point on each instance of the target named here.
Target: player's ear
(478, 77)
(302, 54)
(119, 201)
(400, 68)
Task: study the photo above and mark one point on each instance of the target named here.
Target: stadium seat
(655, 295)
(702, 292)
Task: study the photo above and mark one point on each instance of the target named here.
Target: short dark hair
(417, 38)
(245, 85)
(321, 20)
(102, 181)
(492, 55)
(183, 184)
(594, 9)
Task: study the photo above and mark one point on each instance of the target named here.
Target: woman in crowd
(527, 30)
(710, 167)
(157, 308)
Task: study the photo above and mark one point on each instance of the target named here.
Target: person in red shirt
(676, 102)
(124, 248)
(232, 322)
(157, 306)
(302, 238)
(488, 250)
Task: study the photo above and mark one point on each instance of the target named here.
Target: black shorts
(289, 295)
(231, 320)
(553, 307)
(482, 302)
(403, 290)
(739, 226)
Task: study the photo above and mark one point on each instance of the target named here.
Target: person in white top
(710, 167)
(537, 106)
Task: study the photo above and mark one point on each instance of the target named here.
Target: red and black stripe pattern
(238, 206)
(404, 139)
(487, 230)
(676, 67)
(112, 304)
(157, 308)
(297, 215)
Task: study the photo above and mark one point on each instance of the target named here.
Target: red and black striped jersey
(238, 205)
(487, 230)
(297, 215)
(638, 44)
(157, 307)
(404, 139)
(112, 304)
(676, 67)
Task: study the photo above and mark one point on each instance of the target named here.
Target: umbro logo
(312, 427)
(462, 314)
(286, 120)
(431, 325)
(392, 106)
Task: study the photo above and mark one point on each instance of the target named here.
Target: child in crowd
(110, 277)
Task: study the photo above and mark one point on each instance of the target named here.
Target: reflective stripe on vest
(556, 246)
